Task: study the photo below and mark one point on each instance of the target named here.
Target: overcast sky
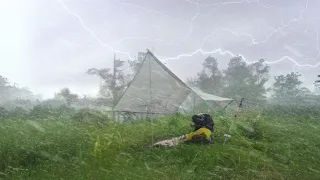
(49, 44)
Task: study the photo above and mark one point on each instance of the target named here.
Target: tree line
(10, 91)
(243, 80)
(238, 80)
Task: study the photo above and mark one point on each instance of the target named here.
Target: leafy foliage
(239, 80)
(210, 78)
(114, 83)
(12, 92)
(317, 83)
(286, 88)
(246, 81)
(90, 116)
(69, 97)
(136, 63)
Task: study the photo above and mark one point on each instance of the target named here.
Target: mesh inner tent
(154, 89)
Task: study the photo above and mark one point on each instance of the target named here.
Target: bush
(18, 113)
(49, 112)
(3, 113)
(42, 112)
(90, 116)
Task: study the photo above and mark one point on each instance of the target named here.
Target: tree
(317, 85)
(246, 81)
(3, 88)
(114, 82)
(259, 77)
(69, 97)
(136, 63)
(237, 78)
(11, 92)
(107, 78)
(210, 78)
(286, 88)
(304, 92)
(3, 81)
(24, 92)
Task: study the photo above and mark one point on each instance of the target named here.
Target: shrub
(3, 113)
(18, 113)
(42, 112)
(90, 116)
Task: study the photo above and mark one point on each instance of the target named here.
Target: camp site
(163, 90)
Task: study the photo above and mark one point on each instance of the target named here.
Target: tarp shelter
(156, 90)
(199, 101)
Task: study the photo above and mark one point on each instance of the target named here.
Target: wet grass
(261, 147)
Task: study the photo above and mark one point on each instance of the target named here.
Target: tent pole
(194, 102)
(117, 117)
(114, 85)
(228, 104)
(150, 98)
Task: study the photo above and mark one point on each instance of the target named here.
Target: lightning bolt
(86, 28)
(193, 18)
(152, 11)
(226, 52)
(197, 4)
(200, 50)
(236, 2)
(318, 47)
(220, 51)
(90, 31)
(137, 38)
(217, 4)
(253, 40)
(286, 25)
(145, 9)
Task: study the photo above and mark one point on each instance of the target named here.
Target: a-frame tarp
(156, 90)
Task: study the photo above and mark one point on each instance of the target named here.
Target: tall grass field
(262, 147)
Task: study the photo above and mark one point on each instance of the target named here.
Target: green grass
(261, 147)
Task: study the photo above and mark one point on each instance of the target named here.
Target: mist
(49, 45)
